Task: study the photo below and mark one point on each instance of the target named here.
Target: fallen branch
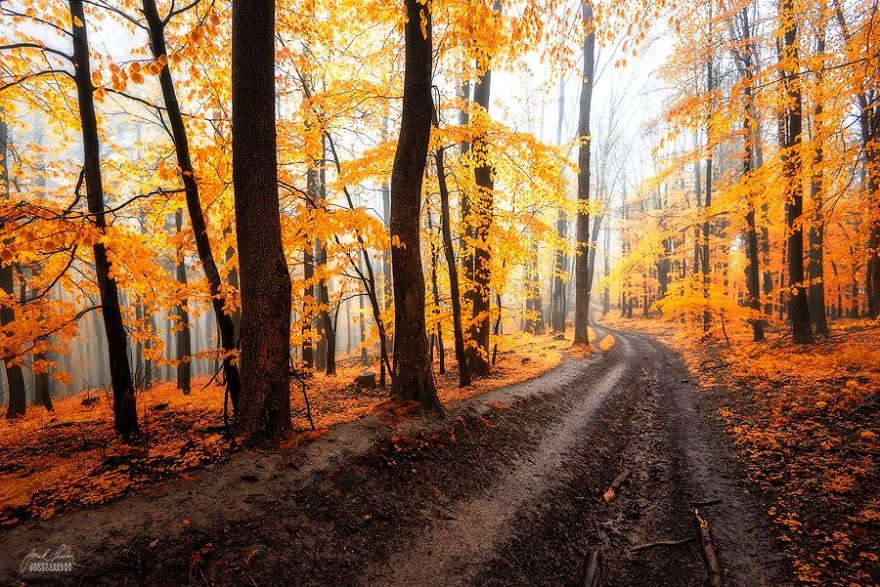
(612, 490)
(650, 545)
(710, 555)
(593, 570)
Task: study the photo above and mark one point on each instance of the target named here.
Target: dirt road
(506, 490)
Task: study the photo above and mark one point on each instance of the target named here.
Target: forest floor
(52, 462)
(806, 419)
(509, 488)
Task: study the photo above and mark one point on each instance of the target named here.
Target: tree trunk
(753, 300)
(225, 322)
(309, 300)
(582, 259)
(412, 377)
(557, 301)
(184, 340)
(365, 357)
(481, 214)
(816, 268)
(17, 397)
(704, 253)
(464, 374)
(264, 404)
(328, 334)
(754, 290)
(124, 408)
(436, 294)
(799, 312)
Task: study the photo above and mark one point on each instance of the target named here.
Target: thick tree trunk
(582, 250)
(124, 409)
(264, 404)
(184, 340)
(464, 373)
(225, 322)
(412, 378)
(799, 312)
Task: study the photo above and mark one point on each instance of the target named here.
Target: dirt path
(506, 490)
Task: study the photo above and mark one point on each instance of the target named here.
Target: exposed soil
(507, 489)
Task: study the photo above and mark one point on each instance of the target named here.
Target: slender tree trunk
(606, 252)
(753, 299)
(412, 378)
(17, 398)
(264, 404)
(309, 300)
(754, 290)
(799, 312)
(816, 267)
(184, 340)
(436, 294)
(365, 357)
(582, 260)
(148, 348)
(705, 280)
(328, 334)
(557, 301)
(464, 374)
(225, 322)
(124, 408)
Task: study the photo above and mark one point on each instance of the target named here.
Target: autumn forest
(440, 292)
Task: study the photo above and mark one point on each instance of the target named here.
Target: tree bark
(707, 204)
(816, 267)
(328, 333)
(124, 408)
(753, 300)
(557, 302)
(264, 404)
(412, 376)
(225, 322)
(17, 397)
(309, 300)
(184, 340)
(799, 312)
(582, 262)
(464, 373)
(481, 215)
(441, 352)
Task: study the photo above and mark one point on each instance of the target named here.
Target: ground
(509, 488)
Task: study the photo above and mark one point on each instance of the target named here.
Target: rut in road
(453, 548)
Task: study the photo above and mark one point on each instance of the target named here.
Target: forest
(440, 292)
